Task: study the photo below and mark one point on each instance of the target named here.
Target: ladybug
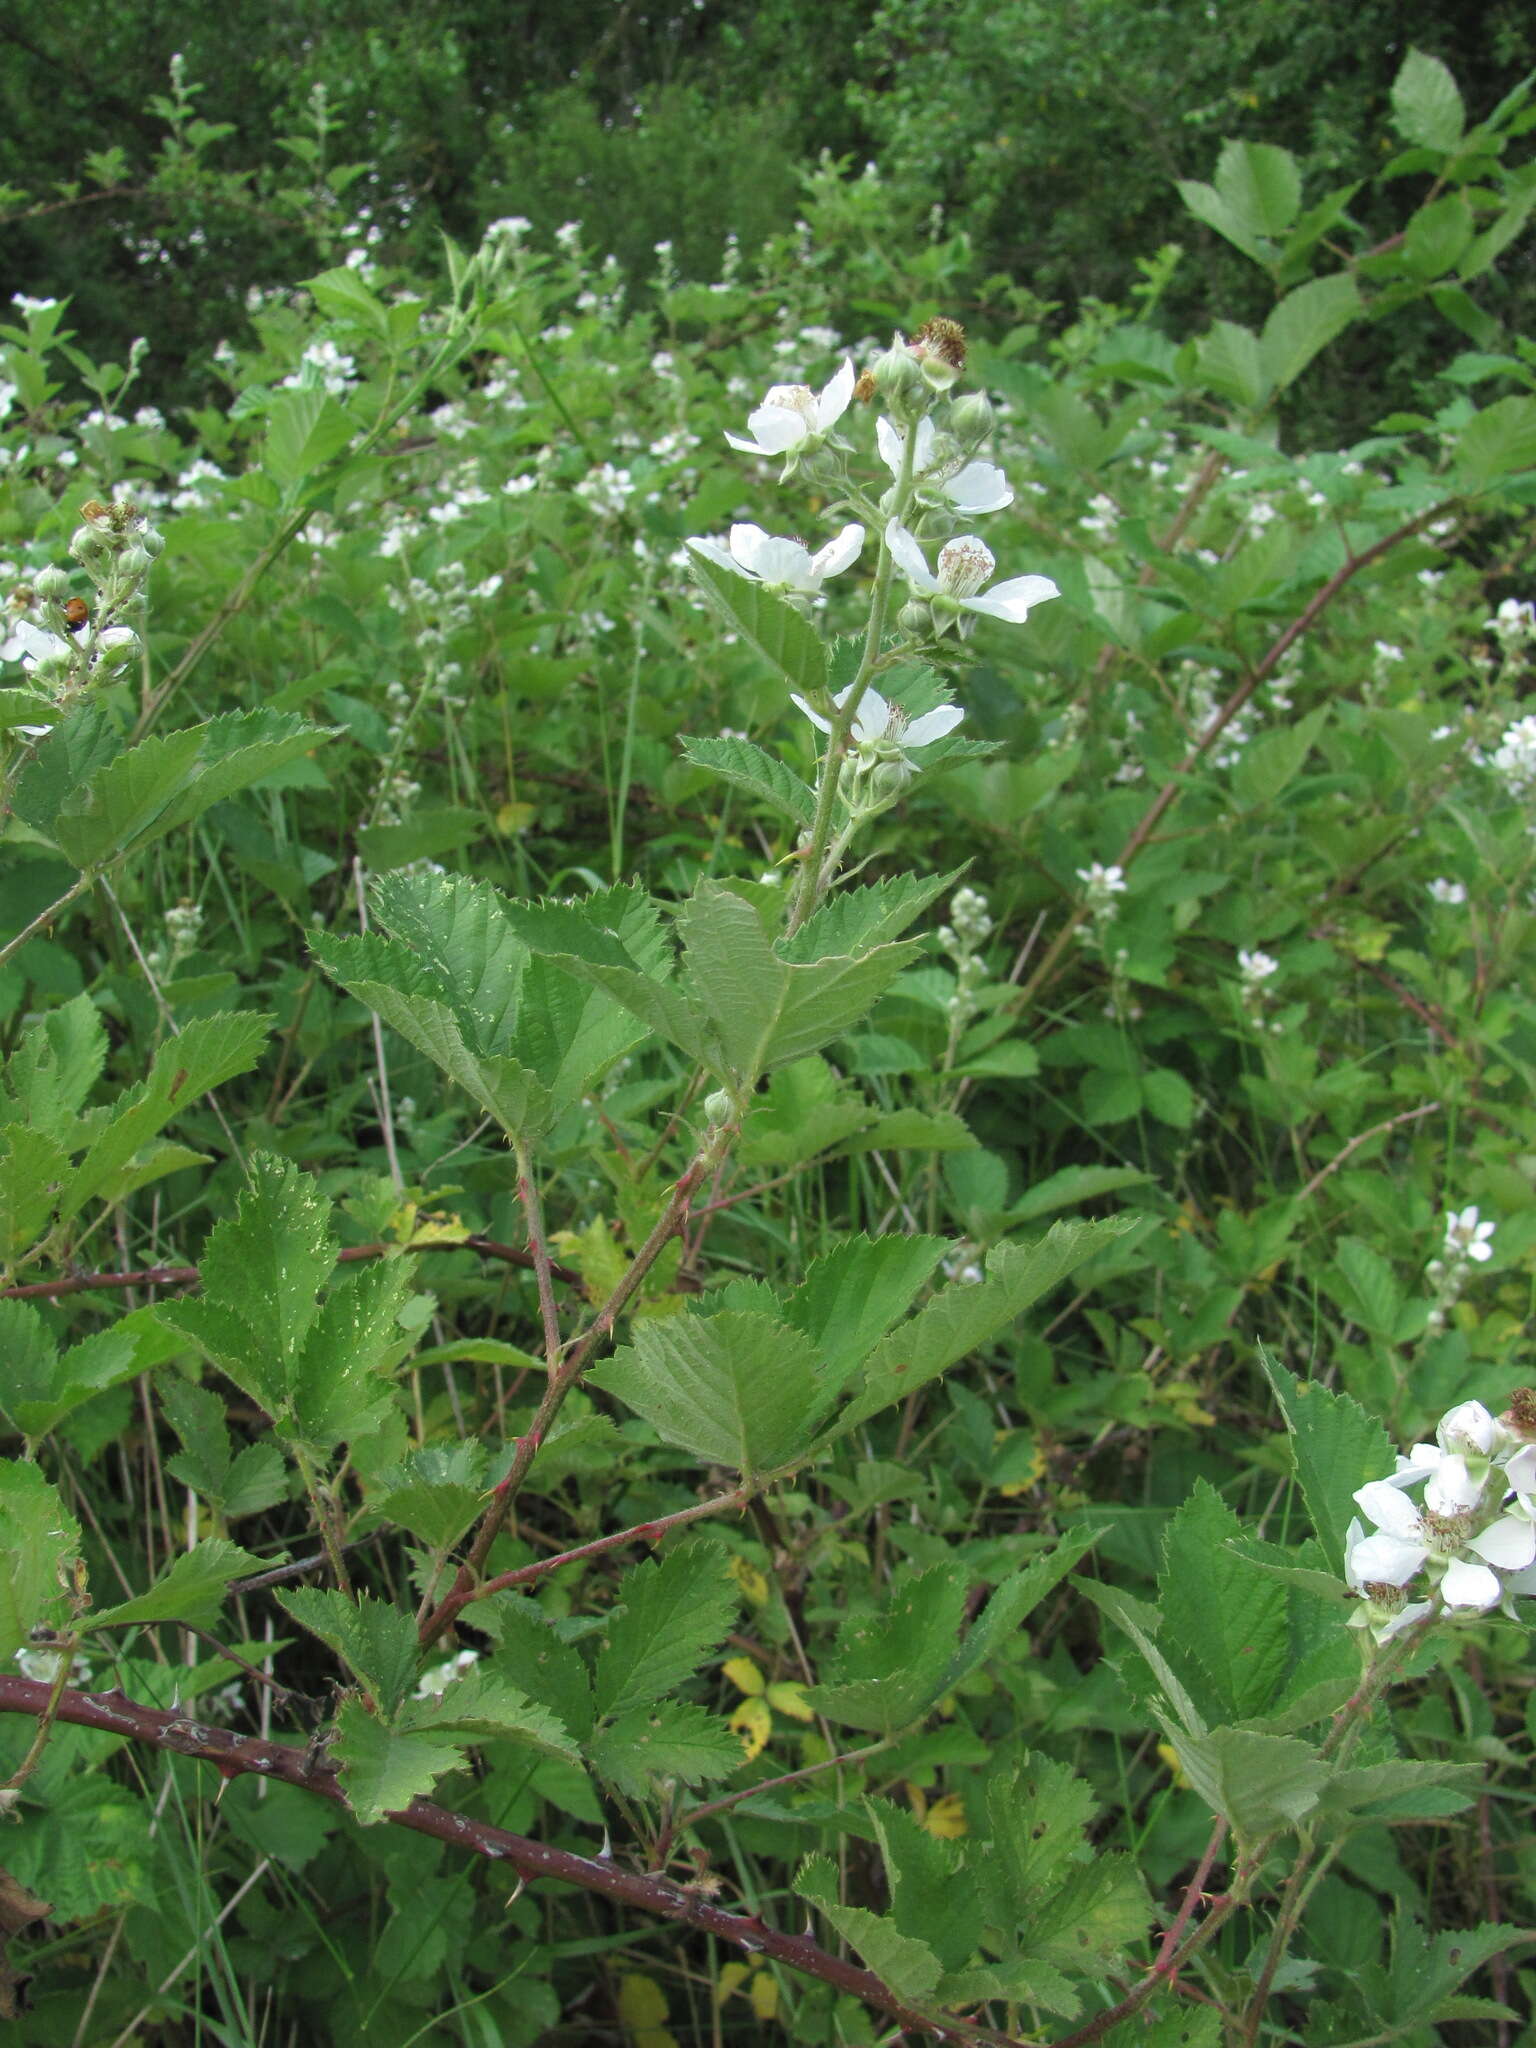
(76, 613)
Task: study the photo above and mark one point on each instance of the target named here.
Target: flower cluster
(1514, 758)
(962, 940)
(1466, 1245)
(1470, 1544)
(79, 642)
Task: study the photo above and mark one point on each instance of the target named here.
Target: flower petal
(1507, 1543)
(980, 487)
(889, 443)
(1014, 599)
(1384, 1560)
(722, 558)
(815, 717)
(908, 557)
(838, 553)
(872, 720)
(933, 725)
(833, 402)
(1388, 1509)
(1469, 1585)
(1521, 1470)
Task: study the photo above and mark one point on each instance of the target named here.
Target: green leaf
(26, 707)
(907, 1965)
(305, 430)
(737, 1389)
(164, 782)
(1074, 1184)
(191, 1589)
(39, 1541)
(669, 1739)
(1256, 1782)
(73, 752)
(853, 921)
(1303, 324)
(234, 1485)
(1499, 439)
(261, 1272)
(487, 1706)
(675, 1612)
(888, 1668)
(1255, 198)
(1338, 1448)
(339, 1388)
(960, 1318)
(398, 987)
(40, 1387)
(373, 1638)
(784, 637)
(1230, 363)
(383, 1769)
(575, 941)
(1230, 1621)
(932, 1898)
(763, 1010)
(1014, 1601)
(1427, 1967)
(1426, 104)
(1139, 1622)
(205, 1053)
(853, 1293)
(54, 1066)
(32, 1168)
(760, 773)
(529, 1652)
(435, 1492)
(341, 295)
(1272, 760)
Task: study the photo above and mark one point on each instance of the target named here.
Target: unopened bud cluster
(1466, 1245)
(83, 641)
(962, 939)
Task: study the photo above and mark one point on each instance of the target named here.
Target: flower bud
(915, 619)
(119, 646)
(89, 545)
(719, 1108)
(51, 584)
(152, 542)
(971, 419)
(899, 382)
(136, 561)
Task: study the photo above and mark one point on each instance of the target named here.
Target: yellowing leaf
(435, 1226)
(1170, 1757)
(946, 1817)
(753, 1583)
(744, 1675)
(764, 1994)
(791, 1700)
(514, 817)
(730, 1980)
(642, 2006)
(753, 1723)
(917, 1799)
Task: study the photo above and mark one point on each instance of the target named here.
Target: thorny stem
(234, 1755)
(188, 1276)
(324, 1519)
(1173, 789)
(538, 1247)
(852, 1756)
(76, 888)
(566, 1375)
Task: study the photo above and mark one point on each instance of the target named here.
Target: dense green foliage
(724, 1263)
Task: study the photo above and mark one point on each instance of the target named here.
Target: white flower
(1443, 891)
(971, 487)
(1103, 881)
(1466, 1237)
(1514, 759)
(441, 1676)
(1256, 967)
(879, 727)
(782, 564)
(1385, 1612)
(1406, 1539)
(792, 415)
(27, 644)
(965, 564)
(1458, 1463)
